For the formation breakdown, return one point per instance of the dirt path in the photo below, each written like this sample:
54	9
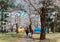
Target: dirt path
50	36
24	39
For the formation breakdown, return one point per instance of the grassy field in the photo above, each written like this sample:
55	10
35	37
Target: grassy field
13	37
9	37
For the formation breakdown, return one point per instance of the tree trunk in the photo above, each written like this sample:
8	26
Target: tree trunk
30	24
48	29
42	36
54	26
2	21
16	28
43	25
30	27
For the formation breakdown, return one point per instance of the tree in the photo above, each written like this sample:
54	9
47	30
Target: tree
42	36
51	11
58	19
16	28
46	4
35	8
4	5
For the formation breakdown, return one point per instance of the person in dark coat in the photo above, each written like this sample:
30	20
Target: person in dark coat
26	30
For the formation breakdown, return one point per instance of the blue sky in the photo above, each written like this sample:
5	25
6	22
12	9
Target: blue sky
22	13
17	2
19	13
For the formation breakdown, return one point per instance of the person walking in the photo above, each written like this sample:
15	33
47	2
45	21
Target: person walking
30	32
26	31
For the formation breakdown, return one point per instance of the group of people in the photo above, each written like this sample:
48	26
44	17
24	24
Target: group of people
29	32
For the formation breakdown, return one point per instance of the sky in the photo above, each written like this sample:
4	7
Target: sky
22	13
19	13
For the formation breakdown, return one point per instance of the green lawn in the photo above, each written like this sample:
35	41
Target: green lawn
9	37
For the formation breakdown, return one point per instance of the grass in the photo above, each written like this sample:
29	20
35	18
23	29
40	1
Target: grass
12	37
50	37
9	37
57	39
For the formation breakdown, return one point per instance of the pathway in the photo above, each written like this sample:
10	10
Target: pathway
37	36
25	39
